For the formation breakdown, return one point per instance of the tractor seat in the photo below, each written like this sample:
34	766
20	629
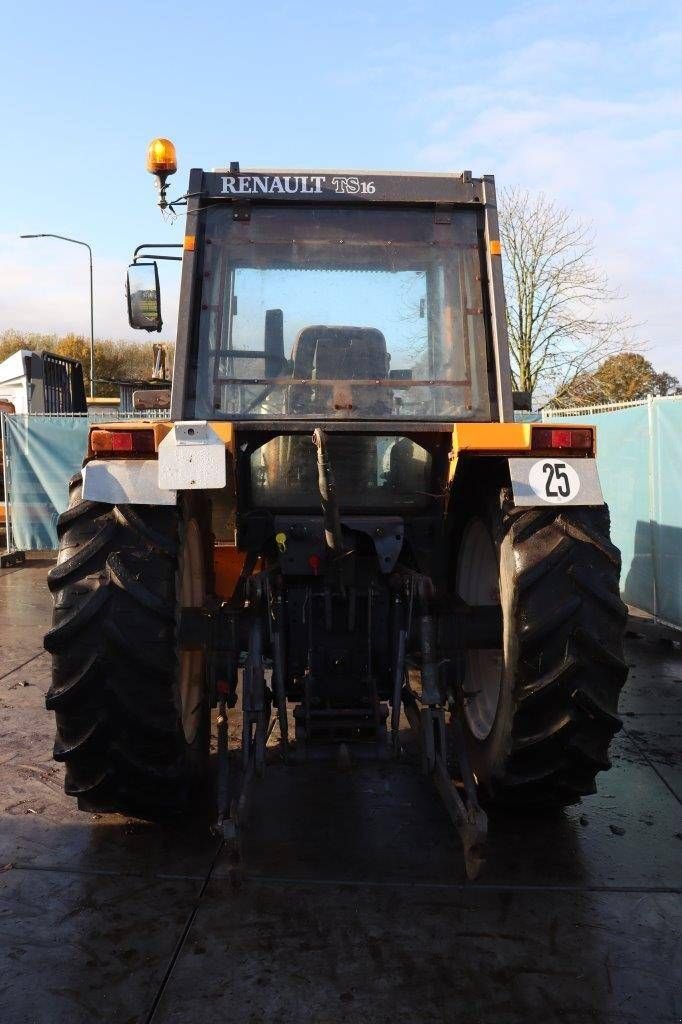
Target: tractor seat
340	353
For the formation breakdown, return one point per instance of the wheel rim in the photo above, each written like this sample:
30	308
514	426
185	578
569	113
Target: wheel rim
478	583
192	593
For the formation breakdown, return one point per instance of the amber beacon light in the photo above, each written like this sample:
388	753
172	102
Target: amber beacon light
161	161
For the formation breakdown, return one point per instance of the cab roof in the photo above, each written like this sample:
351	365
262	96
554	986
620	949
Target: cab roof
237	183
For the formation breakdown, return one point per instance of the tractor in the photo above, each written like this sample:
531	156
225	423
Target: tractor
338	529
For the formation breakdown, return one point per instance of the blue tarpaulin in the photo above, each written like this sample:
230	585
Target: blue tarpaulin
41	454
623	463
639	455
666	501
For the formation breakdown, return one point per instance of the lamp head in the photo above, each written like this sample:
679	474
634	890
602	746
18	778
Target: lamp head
161	162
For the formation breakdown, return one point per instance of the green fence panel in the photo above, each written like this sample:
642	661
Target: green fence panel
666	510
623	462
639	453
42	453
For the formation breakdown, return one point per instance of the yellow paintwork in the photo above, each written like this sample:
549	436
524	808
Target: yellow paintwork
490	437
499	438
225	431
131	425
486	439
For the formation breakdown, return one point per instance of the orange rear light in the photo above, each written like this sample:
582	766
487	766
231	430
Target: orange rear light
546	438
133	441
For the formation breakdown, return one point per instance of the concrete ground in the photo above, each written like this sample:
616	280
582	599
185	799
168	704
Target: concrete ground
354	906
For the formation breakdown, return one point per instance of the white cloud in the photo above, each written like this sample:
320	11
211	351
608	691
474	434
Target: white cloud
548	58
613	158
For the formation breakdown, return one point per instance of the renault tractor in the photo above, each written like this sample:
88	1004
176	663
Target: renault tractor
337	536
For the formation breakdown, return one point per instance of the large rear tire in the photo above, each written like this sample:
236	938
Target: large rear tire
131	710
540	712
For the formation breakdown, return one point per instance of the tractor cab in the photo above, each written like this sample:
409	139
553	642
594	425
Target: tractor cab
274	289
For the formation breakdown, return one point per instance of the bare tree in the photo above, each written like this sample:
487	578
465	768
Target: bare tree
557	300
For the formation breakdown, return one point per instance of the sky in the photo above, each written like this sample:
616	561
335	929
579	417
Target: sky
580	100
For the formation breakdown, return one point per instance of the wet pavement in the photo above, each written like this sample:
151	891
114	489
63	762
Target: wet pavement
354	905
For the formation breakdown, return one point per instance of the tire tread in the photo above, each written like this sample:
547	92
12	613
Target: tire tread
114	661
570	622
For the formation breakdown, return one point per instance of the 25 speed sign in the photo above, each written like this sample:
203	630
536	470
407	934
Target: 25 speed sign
555	481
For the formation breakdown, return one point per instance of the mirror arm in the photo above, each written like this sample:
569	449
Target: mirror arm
157	245
157	256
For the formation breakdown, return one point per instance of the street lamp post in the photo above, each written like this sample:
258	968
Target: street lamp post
76	241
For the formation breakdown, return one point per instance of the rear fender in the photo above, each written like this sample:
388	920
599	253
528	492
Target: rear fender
502	454
125	482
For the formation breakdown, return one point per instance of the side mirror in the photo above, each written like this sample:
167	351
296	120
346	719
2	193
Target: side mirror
144	297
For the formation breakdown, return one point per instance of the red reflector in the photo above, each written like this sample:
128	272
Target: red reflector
134	441
582	439
143	440
562	437
121	441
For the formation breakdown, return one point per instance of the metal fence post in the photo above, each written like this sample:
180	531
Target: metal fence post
10	557
4	481
651	475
